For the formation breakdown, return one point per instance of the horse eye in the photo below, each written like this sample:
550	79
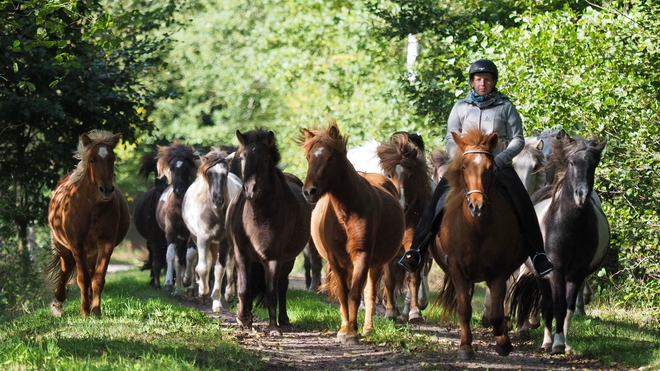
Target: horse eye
330	158
91	160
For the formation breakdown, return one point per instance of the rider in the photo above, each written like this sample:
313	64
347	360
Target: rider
487	109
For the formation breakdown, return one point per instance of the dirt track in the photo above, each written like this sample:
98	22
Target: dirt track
301	350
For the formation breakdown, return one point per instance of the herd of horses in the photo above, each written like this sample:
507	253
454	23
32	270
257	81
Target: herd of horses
235	210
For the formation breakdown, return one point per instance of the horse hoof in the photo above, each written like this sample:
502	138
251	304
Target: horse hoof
275	332
186	281
558	349
190	293
485	323
466	355
167	288
351	340
546	347
504	349
341	338
217	306
56	308
415	318
203	299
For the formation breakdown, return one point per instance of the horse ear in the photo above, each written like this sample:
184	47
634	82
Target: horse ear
115	139
85	139
600	146
333	131
561	134
270	140
241	138
492	141
458	140
536	133
540	145
307	134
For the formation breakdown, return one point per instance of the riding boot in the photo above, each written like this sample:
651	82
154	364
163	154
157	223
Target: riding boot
511	185
427	228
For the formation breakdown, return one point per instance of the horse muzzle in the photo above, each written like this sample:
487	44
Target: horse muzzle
311	194
106	192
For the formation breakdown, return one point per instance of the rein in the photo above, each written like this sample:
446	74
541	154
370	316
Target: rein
468	193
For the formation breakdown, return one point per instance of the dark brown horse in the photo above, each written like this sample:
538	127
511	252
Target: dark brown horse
268	226
479	239
88	216
357	226
178	163
404	163
144	218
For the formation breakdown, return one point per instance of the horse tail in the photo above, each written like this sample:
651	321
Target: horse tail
258	284
447	298
524	298
54	268
332	284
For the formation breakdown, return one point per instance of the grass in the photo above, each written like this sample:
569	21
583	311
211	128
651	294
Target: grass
146	329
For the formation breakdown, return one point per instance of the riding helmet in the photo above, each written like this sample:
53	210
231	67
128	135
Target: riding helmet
483	65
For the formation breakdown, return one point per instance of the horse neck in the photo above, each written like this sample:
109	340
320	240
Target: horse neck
351	184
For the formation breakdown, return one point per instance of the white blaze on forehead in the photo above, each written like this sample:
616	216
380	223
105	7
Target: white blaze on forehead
398	169
477	160
179	163
319	151
219	168
103	151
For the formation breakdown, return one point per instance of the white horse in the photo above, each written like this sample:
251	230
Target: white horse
204	208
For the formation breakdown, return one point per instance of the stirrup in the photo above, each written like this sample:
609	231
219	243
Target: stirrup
410	260
546	266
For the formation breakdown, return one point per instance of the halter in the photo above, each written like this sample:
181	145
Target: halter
468	193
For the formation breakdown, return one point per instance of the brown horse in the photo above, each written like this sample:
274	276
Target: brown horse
268	226
357	226
404	163
88	217
479	239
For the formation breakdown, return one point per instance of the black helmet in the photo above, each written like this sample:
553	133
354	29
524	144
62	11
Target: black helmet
483	65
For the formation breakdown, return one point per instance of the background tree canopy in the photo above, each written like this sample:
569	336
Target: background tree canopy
201	71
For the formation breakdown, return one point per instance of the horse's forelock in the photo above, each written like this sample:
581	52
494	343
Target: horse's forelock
85	148
209	160
261	135
473	139
338	143
177	150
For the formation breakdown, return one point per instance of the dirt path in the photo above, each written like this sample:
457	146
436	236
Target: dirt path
302	350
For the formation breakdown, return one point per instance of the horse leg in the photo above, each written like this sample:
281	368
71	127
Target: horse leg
98	278
338	285
464	312
370	293
219	275
244	310
273	271
203	267
496	317
572	290
547	312
485	322
67	265
559	309
415	290
171	261
83	278
308	267
230	274
189	276
282	289
317	266
358	282
389	281
583	298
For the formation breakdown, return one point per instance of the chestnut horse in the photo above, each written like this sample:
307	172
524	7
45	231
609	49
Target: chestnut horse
404	163
88	216
479	239
357	226
268	226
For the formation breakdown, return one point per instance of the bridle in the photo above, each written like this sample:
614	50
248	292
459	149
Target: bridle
468	193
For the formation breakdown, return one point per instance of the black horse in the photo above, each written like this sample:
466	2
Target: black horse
576	235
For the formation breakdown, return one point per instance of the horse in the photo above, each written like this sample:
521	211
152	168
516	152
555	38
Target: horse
576	235
88	217
479	239
404	163
203	210
313	264
178	163
548	137
144	219
438	161
402	149
357	226
268	226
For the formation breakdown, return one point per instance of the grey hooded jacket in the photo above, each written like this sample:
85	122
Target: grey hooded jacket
494	115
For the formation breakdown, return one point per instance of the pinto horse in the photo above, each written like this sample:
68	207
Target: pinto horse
479	239
576	236
268	226
204	207
178	163
144	218
357	226
88	216
404	163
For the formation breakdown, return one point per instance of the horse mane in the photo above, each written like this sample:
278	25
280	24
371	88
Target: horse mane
474	138
168	153
439	157
211	159
337	143
148	164
82	153
397	151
